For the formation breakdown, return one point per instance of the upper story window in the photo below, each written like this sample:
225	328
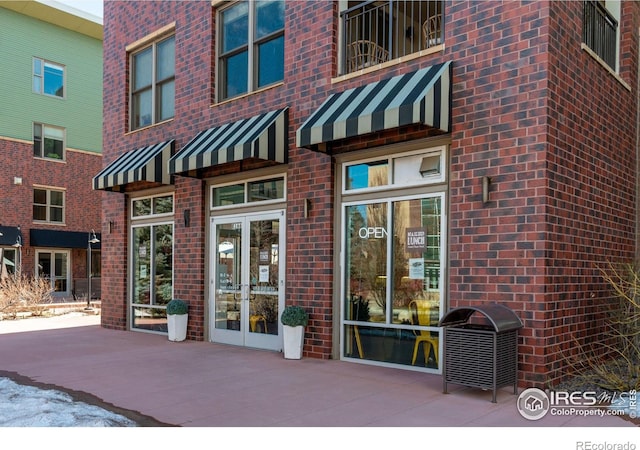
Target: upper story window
48	78
48	205
251	46
374	32
48	141
600	30
153	83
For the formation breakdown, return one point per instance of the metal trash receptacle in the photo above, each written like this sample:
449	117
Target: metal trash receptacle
481	347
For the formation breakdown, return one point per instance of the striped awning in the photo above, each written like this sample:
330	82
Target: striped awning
262	137
143	164
421	97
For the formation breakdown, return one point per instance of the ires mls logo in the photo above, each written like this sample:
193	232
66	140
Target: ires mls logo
533	404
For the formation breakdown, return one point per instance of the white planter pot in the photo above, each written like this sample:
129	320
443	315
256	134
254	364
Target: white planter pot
177	325
293	338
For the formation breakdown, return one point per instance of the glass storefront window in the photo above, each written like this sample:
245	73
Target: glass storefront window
367	260
392	281
152	264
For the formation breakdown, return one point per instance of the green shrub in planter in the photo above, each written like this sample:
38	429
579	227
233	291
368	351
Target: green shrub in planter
294	316
177	307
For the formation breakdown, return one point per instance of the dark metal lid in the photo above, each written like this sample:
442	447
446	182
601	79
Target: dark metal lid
501	317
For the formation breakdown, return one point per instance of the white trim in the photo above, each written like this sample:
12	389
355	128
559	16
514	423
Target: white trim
384	198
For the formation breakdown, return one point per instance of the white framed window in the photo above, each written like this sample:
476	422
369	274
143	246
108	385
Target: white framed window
48	78
408	169
48	141
54	265
251	46
153	83
393	224
259	190
151	261
48	205
152	206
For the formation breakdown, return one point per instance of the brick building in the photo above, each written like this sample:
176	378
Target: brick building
378	163
51	144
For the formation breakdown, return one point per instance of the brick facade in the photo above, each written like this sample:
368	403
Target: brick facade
82	211
552	128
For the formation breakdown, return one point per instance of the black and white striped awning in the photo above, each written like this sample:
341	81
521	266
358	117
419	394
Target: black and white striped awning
421	97
143	164
261	137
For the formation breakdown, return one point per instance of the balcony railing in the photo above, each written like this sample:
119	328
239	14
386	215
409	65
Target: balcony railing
599	31
378	31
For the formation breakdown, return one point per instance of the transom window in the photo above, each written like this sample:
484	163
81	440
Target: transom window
48	141
380	173
254	191
374	32
152	206
153	83
48	205
251	46
48	78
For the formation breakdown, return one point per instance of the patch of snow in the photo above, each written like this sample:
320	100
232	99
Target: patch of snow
28	406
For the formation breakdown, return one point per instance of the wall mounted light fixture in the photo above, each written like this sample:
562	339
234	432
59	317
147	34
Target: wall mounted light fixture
307	207
187	218
486	182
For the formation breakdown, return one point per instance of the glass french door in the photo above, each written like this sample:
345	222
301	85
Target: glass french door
54	265
247	279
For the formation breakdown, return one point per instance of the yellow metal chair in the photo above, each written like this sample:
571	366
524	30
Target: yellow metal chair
421	313
254	320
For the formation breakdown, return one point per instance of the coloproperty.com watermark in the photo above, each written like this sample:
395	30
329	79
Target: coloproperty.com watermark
534	404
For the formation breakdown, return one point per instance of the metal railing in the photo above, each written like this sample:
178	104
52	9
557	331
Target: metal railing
599	31
378	31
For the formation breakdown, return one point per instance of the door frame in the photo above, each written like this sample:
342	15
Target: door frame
244	337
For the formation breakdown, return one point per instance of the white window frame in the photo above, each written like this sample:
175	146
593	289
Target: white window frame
38	78
246	201
153	214
53	252
43	135
440	177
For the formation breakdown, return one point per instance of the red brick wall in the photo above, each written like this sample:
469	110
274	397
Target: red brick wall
525	113
561	159
82	206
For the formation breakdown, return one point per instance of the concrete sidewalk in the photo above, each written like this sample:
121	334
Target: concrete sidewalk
201	384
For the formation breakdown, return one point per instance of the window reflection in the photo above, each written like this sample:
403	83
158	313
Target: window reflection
392	300
366	175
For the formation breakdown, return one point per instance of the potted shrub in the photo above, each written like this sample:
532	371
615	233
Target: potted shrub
177	318
294	319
